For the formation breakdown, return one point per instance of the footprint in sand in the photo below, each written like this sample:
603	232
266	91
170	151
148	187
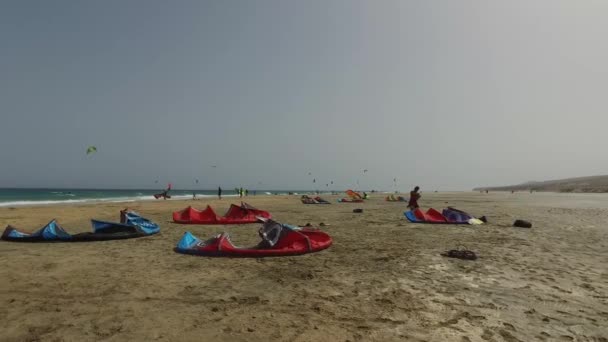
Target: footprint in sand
509	326
507	336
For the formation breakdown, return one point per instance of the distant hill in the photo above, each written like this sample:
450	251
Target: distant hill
579	184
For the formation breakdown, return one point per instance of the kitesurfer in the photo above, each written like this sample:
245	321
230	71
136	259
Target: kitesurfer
414	197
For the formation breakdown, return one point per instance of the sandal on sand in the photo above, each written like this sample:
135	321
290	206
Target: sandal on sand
459	253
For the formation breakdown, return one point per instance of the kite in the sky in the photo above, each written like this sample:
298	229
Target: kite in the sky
364	171
91	149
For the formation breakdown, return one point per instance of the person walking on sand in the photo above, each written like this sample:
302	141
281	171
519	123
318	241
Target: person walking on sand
246	192
219	192
241	192
414	197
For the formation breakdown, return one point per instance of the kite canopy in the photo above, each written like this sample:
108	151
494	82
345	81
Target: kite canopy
131	226
393	198
235	215
276	240
91	149
316	200
353	194
448	216
353	197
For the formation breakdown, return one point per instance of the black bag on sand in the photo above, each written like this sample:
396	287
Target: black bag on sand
522	224
459	253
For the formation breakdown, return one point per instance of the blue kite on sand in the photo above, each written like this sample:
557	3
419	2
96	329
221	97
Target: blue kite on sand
131	225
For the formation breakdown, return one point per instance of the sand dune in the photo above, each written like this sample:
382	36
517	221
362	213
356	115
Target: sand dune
597	184
382	280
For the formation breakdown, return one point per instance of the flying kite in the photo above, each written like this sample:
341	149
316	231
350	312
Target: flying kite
364	171
197	181
91	149
314	180
214	166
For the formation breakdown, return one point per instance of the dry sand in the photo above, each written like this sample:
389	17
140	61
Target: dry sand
382	280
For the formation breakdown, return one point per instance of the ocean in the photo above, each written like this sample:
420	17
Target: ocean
19	197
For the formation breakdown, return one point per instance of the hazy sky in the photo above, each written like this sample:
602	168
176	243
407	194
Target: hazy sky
444	94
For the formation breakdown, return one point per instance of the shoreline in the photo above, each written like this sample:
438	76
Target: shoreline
203	197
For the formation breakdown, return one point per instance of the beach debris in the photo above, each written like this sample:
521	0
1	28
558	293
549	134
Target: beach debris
483	219
522	224
460	253
91	149
357	210
309	225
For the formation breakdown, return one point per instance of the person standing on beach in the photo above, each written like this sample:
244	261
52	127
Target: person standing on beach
241	192
219	192
246	192
414	197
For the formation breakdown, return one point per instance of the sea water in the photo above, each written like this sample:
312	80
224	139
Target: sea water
19	197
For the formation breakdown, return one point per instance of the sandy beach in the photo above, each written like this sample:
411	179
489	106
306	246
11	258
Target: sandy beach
382	280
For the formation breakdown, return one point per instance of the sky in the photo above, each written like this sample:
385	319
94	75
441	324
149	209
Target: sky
447	95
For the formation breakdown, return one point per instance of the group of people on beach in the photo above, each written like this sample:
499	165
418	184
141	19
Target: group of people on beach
240	191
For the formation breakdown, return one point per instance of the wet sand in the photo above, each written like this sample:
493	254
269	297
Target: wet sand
382	280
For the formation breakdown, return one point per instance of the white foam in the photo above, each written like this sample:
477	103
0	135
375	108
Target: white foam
84	200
